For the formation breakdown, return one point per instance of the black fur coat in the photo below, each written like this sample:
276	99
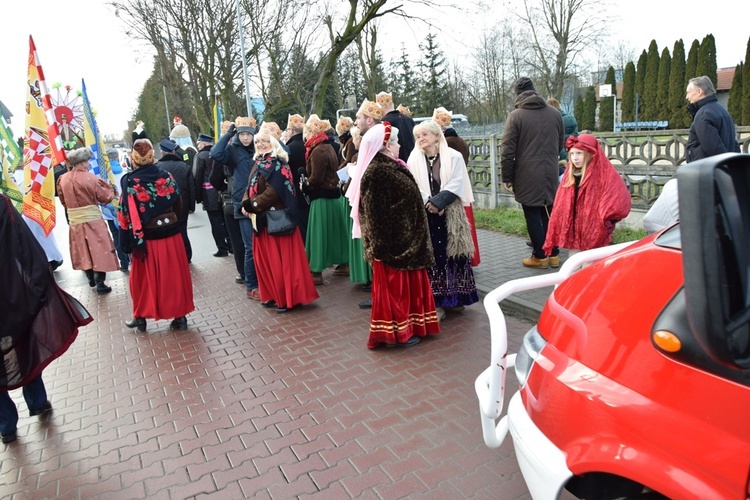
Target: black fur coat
393	218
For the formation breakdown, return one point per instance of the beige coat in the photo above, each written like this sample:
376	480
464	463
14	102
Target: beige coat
91	244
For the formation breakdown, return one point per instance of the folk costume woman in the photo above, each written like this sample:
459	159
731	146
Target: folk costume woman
442	117
284	278
590	200
396	241
160	282
91	246
326	228
441	175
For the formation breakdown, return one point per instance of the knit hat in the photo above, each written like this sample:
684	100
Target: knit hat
384	99
272	128
167	146
205	138
295	122
523	84
404	110
442	117
142	153
371	109
78	156
315	125
245	124
344	124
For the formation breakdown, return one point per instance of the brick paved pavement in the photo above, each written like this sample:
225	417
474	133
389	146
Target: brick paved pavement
248	402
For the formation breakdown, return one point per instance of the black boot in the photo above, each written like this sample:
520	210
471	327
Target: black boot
178	324
101	288
90	276
139	323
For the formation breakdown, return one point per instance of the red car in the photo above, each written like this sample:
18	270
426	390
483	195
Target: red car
635	383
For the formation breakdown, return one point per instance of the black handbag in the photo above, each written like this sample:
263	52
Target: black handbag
280	222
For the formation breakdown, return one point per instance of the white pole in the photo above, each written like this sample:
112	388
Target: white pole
244	60
614	118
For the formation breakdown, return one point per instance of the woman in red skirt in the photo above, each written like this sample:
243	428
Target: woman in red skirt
396	241
160	282
284	278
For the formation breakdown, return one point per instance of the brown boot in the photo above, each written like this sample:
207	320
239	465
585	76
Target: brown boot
317	278
536	262
554	261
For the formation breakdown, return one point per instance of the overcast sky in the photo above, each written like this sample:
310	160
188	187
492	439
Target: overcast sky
72	47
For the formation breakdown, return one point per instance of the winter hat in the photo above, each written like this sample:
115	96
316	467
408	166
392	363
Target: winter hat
344	124
442	117
296	122
523	84
245	124
78	156
371	109
167	146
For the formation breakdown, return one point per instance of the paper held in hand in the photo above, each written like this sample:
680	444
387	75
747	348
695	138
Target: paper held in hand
342	172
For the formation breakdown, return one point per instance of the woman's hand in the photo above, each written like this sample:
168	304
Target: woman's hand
433	209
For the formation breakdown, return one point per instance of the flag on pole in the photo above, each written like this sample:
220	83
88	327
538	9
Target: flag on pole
218	118
42	147
10	154
99	164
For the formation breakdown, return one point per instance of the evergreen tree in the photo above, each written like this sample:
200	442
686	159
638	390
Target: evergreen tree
692	62
640	79
579	109
606	104
662	90
627	104
734	105
678	116
650	84
707	59
588	120
404	82
433	90
746	87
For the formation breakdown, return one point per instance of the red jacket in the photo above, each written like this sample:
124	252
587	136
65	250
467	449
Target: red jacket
602	200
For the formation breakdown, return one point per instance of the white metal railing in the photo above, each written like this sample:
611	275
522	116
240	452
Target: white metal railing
490	384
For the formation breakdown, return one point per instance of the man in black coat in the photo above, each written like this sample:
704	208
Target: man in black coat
712	131
402	122
210	197
183	176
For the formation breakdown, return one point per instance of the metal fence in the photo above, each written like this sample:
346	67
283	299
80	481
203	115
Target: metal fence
645	159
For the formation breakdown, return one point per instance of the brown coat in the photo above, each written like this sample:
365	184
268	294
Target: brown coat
321	168
91	244
532	140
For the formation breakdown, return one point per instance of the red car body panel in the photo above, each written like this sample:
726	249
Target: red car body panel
612	402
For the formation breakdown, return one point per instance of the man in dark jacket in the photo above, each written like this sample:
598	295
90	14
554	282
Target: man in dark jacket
297	163
183	176
237	156
404	124
531	144
712	131
208	196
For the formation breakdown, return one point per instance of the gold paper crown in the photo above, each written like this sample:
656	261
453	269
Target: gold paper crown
371	109
272	128
384	99
225	126
404	110
442	117
295	121
244	121
345	123
315	125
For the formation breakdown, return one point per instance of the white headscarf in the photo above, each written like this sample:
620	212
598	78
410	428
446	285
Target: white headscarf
372	142
453	174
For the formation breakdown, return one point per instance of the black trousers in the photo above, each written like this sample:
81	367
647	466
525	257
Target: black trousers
537	220
219	230
235	238
188	248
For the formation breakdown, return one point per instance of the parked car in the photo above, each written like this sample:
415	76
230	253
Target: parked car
635	382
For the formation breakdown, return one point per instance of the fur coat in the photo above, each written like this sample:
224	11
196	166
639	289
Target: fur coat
393	219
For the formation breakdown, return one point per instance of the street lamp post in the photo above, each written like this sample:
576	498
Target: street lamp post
244	59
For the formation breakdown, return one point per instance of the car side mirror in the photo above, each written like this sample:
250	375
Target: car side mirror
714	200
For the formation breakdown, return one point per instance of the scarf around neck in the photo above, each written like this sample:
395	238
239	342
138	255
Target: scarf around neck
313	141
